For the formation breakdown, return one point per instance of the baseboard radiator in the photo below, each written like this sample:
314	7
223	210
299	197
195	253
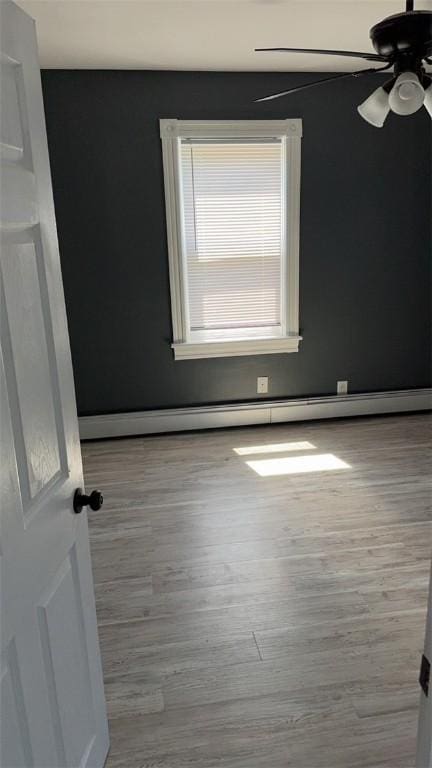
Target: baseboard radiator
245	414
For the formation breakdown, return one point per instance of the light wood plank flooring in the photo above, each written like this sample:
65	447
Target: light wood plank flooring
252	621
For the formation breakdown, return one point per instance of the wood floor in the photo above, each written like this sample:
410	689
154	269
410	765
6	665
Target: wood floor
252	621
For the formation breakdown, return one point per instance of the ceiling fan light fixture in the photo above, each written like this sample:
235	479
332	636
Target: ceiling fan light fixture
402	41
407	95
375	108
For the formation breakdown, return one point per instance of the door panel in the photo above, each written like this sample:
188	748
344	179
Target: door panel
17	750
31	377
51	677
11	134
67	674
18	207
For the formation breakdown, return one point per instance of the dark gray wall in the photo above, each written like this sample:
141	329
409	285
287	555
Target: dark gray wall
365	304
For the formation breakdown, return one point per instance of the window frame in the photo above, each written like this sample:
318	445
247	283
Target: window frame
171	132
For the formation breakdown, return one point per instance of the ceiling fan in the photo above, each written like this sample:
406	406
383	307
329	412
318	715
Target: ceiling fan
402	41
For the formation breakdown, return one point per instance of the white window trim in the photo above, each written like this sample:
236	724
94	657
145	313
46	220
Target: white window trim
171	131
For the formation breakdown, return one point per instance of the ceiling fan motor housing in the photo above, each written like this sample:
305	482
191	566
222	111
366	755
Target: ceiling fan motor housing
406	37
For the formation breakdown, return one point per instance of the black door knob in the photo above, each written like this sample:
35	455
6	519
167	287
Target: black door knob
80	500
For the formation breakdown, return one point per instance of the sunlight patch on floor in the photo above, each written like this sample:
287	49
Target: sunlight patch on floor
289	465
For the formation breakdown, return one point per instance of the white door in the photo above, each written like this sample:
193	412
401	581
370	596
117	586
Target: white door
424	737
52	698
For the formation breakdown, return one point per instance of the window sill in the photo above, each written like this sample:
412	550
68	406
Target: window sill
195	351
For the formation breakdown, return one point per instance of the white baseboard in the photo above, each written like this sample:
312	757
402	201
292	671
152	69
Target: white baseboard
269	412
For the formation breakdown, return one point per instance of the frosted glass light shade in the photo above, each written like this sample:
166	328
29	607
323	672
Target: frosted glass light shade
428	99
407	94
375	108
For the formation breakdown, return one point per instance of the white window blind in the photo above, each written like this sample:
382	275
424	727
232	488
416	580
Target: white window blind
233	236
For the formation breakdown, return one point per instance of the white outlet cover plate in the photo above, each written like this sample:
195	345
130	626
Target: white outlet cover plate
342	388
262	384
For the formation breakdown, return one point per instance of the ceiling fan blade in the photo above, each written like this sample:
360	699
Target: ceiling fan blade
353	54
320	82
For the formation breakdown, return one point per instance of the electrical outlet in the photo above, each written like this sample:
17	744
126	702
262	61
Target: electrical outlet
262	385
342	388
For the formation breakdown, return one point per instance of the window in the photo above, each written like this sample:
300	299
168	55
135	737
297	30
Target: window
232	199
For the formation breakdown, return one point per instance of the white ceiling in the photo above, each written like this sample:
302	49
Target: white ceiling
204	34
